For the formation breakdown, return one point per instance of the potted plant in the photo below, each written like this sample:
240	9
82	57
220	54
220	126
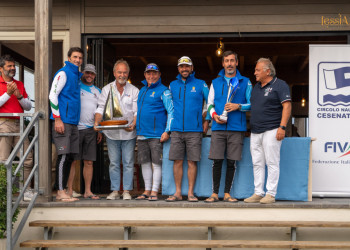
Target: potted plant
3	205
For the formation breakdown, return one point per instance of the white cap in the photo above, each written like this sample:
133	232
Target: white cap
184	60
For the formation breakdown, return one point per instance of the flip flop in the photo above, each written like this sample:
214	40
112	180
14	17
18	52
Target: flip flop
66	199
142	197
230	199
192	199
173	198
212	199
93	197
152	198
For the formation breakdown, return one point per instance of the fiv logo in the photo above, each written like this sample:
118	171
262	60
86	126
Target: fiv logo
193	89
333	84
152	95
343	148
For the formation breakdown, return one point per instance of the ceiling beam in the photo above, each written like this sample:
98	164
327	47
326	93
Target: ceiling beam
274	60
144	60
210	64
303	64
241	64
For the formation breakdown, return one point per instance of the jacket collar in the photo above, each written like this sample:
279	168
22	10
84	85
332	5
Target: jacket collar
153	85
190	78
238	74
74	68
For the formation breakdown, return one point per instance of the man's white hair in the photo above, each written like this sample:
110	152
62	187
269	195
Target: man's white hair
268	65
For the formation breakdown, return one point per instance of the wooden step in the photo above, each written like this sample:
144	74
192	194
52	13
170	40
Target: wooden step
185	223
186	243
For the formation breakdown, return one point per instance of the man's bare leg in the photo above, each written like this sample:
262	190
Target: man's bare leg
71	179
88	173
192	175
178	172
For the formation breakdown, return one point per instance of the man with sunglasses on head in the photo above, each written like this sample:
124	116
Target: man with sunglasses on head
228	101
154	115
187	127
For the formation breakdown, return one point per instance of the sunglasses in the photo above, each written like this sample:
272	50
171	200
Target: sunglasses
185	60
152	67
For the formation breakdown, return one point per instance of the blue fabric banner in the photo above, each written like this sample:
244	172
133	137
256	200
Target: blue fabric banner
294	169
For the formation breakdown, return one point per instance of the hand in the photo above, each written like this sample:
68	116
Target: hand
229	107
59	126
165	136
11	88
217	119
280	134
96	129
205	126
131	127
17	93
99	137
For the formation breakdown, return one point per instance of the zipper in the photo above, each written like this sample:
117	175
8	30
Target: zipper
154	124
223	86
67	111
180	94
183	114
142	98
197	119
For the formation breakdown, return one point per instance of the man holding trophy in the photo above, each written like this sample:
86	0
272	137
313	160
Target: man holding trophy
121	97
228	100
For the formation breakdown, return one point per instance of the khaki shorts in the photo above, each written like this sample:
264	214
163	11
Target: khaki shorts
185	143
67	143
87	145
150	150
230	142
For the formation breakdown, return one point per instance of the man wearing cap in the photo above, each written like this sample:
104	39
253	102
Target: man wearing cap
65	106
13	99
154	117
228	102
120	142
187	127
89	95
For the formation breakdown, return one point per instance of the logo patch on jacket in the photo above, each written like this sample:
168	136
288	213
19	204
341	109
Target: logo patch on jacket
193	89
152	95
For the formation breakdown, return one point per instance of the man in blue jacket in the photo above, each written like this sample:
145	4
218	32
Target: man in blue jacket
65	106
229	99
186	130
154	115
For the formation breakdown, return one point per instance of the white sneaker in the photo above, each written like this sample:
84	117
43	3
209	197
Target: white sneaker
113	196
126	196
28	195
75	194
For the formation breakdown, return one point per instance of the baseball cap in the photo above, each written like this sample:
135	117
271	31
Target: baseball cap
152	67
184	60
90	68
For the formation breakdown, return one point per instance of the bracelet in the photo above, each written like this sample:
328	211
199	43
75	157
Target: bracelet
20	98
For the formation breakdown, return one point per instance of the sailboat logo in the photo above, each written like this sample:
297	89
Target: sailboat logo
334	83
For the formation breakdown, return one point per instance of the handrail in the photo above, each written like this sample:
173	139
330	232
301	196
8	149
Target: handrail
11	209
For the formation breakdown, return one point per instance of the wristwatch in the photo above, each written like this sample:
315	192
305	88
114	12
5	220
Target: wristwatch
239	106
283	127
20	98
169	132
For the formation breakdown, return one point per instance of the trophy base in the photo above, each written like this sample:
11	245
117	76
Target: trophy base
223	118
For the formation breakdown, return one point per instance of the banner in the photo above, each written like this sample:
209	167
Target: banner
329	119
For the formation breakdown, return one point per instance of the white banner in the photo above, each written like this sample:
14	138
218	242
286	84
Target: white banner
329	119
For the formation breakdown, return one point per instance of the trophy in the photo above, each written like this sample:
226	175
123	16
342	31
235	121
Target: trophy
112	110
232	88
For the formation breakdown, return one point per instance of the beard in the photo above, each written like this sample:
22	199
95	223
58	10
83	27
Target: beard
230	71
10	73
122	80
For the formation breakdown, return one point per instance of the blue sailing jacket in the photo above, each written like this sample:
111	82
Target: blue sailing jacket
69	97
151	113
236	120
188	103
